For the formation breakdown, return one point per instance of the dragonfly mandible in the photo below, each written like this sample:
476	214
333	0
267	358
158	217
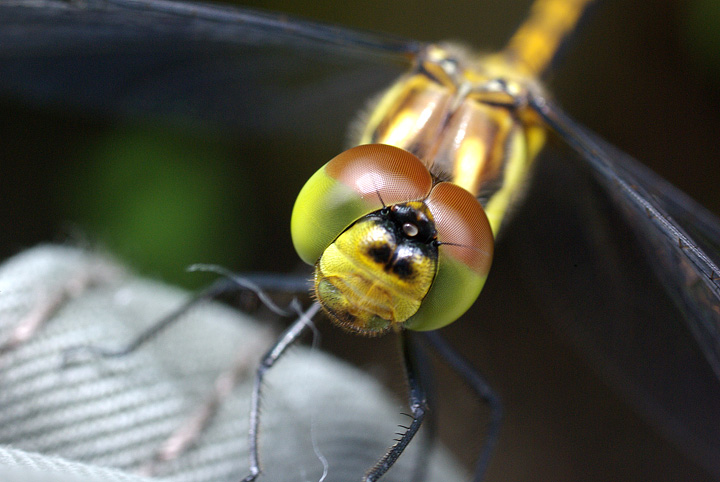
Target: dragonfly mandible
526	268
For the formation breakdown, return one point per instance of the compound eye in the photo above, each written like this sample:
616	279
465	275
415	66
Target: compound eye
379	171
463	228
464	256
355	183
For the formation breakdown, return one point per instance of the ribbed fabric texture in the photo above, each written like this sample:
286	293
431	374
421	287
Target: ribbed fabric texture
104	419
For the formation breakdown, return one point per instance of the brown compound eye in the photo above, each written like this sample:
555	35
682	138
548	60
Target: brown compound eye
353	184
462	226
379	171
371	177
465	254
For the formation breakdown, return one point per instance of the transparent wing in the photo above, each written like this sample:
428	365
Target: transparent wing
674	377
680	233
194	61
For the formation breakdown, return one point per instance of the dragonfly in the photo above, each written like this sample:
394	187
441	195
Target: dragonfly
600	342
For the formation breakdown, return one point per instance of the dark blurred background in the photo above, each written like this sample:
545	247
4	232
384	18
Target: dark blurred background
645	75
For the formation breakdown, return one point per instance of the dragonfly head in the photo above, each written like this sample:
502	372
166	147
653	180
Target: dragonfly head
391	247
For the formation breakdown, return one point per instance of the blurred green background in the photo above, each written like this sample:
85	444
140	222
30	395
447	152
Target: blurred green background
643	74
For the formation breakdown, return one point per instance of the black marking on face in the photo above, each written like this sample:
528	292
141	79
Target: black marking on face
380	253
403	268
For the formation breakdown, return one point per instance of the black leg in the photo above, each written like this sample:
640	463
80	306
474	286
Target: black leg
187	433
418	409
257	283
289	337
429	435
478	385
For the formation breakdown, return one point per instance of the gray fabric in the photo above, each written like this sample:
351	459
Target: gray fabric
104	419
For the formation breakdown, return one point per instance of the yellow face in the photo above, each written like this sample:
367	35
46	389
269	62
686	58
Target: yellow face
376	274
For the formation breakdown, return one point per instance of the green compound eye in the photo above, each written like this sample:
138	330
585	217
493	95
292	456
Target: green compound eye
390	249
465	255
355	183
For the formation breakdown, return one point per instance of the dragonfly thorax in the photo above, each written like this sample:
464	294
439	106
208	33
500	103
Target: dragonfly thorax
464	122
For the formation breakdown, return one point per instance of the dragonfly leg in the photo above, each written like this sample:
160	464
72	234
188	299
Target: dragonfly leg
192	428
257	283
418	408
478	385
72	355
289	283
289	337
429	435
